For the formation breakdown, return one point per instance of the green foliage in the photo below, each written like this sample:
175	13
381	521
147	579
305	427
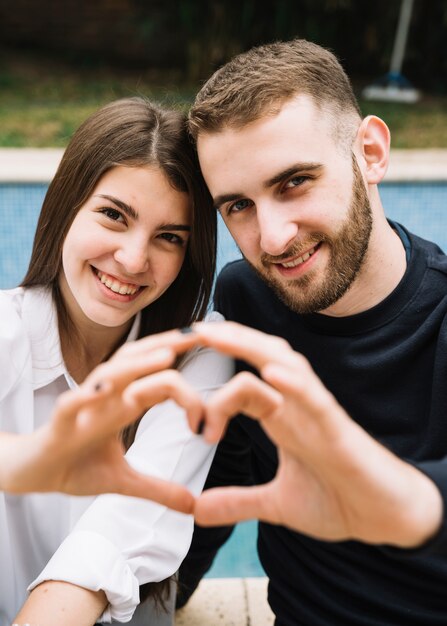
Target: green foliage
42	103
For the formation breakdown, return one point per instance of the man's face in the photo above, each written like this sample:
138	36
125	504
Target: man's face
294	202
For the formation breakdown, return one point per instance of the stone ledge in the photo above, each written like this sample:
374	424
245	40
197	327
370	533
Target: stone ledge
417	166
227	602
29	165
38	165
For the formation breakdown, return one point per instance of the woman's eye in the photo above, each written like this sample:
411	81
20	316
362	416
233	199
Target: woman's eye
173	238
239	206
112	214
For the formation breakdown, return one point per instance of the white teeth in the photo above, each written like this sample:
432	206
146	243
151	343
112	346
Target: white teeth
115	286
300	259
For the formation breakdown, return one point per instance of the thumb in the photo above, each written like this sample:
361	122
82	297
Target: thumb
169	494
228	505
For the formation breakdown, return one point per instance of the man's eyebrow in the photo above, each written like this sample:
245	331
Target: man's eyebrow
126	208
226	197
297	168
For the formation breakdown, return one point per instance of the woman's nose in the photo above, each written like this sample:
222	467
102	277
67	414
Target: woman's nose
134	257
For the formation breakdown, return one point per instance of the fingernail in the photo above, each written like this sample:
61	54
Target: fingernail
103	386
201	426
186	330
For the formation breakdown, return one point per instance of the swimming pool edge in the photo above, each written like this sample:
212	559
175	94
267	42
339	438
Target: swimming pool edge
38	165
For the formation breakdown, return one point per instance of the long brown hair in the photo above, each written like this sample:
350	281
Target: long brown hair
131	132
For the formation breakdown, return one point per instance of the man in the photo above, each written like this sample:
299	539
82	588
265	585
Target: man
293	170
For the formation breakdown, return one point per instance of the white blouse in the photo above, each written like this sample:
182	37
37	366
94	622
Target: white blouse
111	542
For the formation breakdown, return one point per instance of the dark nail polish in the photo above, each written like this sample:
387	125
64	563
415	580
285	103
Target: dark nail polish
186	330
201	426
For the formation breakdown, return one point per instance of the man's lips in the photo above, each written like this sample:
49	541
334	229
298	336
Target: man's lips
297	260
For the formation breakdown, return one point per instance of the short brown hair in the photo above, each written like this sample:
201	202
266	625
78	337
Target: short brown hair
259	81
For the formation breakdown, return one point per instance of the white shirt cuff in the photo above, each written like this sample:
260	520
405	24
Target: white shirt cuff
99	565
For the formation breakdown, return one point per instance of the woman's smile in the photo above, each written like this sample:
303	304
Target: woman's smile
115	288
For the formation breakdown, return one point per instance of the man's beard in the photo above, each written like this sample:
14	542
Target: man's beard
348	248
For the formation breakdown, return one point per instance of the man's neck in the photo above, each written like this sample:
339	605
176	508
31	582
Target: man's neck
383	268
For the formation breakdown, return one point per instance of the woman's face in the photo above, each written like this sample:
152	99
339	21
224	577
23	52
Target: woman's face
125	247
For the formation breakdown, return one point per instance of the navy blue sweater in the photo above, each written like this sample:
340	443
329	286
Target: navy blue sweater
388	368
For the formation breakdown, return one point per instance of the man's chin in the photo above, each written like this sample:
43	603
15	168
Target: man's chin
296	295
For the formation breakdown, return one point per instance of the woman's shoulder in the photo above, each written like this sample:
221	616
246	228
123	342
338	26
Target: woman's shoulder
11	308
14	343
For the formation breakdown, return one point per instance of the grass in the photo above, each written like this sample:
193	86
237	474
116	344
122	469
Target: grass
43	101
421	125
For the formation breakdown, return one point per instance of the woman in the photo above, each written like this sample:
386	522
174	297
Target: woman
124	248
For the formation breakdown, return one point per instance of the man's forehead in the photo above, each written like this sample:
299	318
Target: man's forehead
299	114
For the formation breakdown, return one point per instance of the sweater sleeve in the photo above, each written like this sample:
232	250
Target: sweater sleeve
437	472
436	545
121	542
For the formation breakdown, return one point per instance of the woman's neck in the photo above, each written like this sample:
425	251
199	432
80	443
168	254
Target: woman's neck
83	350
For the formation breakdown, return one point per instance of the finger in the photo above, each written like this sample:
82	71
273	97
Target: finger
228	505
70	403
246	343
150	390
177	340
306	389
120	373
244	393
171	495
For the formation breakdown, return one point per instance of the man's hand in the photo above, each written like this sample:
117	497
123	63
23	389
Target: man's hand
79	451
334	481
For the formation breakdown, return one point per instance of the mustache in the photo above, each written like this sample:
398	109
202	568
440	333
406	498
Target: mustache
296	249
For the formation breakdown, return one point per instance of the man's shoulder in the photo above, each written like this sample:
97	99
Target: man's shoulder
429	254
236	271
238	278
242	295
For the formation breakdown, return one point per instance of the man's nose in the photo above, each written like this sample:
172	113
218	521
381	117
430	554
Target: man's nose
276	230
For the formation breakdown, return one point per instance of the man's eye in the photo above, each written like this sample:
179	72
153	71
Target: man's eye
296	181
112	214
239	206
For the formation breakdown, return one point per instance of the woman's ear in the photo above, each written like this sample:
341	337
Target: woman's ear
373	144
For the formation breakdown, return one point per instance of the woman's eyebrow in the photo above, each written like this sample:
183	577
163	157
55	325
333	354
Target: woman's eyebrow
184	227
126	208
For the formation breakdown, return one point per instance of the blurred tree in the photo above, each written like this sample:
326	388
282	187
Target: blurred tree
196	36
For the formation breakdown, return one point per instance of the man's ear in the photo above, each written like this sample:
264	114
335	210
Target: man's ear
373	145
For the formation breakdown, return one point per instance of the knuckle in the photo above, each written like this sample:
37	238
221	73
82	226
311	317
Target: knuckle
123	350
300	361
280	344
245	379
172	378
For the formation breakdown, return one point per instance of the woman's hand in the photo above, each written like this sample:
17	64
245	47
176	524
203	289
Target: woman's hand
79	451
334	481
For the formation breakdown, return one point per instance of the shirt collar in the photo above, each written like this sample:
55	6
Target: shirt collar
40	320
